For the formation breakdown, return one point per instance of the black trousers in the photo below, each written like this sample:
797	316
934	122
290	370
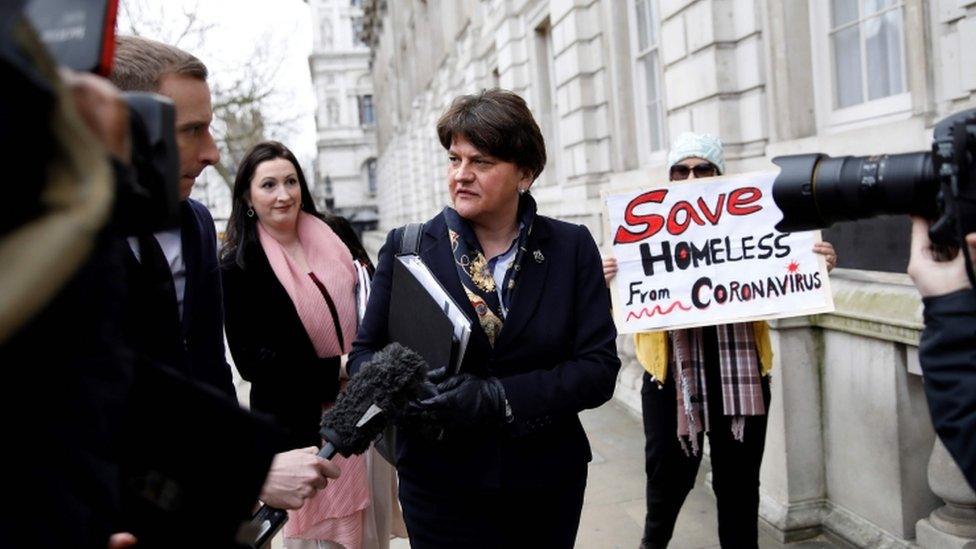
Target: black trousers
671	474
439	517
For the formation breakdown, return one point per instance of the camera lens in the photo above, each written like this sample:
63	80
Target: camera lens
815	191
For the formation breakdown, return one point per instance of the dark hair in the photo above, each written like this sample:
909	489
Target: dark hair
343	229
140	64
241	231
499	123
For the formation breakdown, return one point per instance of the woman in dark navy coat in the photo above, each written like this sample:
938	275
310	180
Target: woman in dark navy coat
509	467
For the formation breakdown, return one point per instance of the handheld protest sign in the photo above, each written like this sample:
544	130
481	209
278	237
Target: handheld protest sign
698	253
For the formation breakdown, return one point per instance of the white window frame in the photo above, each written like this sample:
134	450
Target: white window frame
868	113
542	62
372	183
361	107
647	155
356	24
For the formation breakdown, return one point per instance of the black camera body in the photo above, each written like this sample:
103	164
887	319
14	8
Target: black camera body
954	161
814	190
80	34
149	201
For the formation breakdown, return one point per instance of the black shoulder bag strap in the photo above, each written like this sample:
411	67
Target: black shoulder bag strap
410	235
410	239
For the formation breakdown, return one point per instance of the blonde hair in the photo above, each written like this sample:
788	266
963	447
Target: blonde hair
141	63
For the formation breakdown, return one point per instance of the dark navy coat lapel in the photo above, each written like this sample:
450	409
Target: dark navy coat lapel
529	286
528	290
439	258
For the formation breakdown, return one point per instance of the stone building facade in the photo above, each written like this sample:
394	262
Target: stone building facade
612	81
346	124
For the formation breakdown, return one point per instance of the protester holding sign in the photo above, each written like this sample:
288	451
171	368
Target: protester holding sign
707	379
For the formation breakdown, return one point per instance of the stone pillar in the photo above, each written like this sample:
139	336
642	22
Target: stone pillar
792	474
849	432
583	116
954	524
631	376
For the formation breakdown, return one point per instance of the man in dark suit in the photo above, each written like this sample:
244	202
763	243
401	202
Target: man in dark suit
176	315
175	312
947	350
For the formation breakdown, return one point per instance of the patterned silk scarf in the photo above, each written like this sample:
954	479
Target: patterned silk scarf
740	380
472	267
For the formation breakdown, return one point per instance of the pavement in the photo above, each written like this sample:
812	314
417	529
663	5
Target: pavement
613	507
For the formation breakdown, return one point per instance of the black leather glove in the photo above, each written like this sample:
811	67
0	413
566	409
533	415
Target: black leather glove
415	413
465	400
416	418
437	375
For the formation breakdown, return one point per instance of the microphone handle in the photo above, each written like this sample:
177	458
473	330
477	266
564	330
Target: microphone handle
328	450
269	520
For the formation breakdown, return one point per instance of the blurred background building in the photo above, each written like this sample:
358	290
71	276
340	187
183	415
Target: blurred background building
611	83
346	175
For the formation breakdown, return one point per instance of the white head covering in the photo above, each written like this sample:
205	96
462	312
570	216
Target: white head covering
697	145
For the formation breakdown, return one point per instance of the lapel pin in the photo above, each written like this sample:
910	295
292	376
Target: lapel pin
539	258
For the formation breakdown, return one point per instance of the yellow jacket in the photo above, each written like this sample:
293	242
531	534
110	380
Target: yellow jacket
652	351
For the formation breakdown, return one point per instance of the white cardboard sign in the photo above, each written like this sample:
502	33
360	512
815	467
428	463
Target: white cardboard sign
706	252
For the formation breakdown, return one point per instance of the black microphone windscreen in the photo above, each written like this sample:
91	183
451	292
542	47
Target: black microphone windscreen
390	379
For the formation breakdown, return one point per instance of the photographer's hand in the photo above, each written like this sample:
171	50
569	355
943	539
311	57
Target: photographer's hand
933	277
103	110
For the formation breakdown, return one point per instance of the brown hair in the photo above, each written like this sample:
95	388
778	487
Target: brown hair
141	63
499	123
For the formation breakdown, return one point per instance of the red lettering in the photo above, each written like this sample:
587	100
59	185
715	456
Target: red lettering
676	227
740	202
740	199
712	217
652	222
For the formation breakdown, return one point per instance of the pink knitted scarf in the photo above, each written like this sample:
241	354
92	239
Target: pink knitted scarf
332	264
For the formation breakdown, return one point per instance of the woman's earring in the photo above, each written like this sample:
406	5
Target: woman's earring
523	190
250	212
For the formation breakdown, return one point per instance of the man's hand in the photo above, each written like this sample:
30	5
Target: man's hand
122	540
933	277
103	110
295	476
